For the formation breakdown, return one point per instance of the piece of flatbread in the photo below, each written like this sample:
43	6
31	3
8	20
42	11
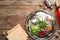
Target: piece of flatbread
17	33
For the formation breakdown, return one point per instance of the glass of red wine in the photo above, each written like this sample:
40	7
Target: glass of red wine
57	11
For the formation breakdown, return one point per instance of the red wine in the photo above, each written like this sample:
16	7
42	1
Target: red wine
58	15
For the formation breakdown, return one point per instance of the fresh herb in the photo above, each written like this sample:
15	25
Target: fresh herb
35	28
41	24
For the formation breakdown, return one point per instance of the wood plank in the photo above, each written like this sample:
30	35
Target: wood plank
21	2
6	24
16	11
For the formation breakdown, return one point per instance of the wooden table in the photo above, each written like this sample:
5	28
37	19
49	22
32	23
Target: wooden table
13	12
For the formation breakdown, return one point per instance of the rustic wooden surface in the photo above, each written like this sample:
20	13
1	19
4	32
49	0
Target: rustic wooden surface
13	12
20	2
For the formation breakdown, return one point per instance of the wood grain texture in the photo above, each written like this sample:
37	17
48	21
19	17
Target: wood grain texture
13	12
20	2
